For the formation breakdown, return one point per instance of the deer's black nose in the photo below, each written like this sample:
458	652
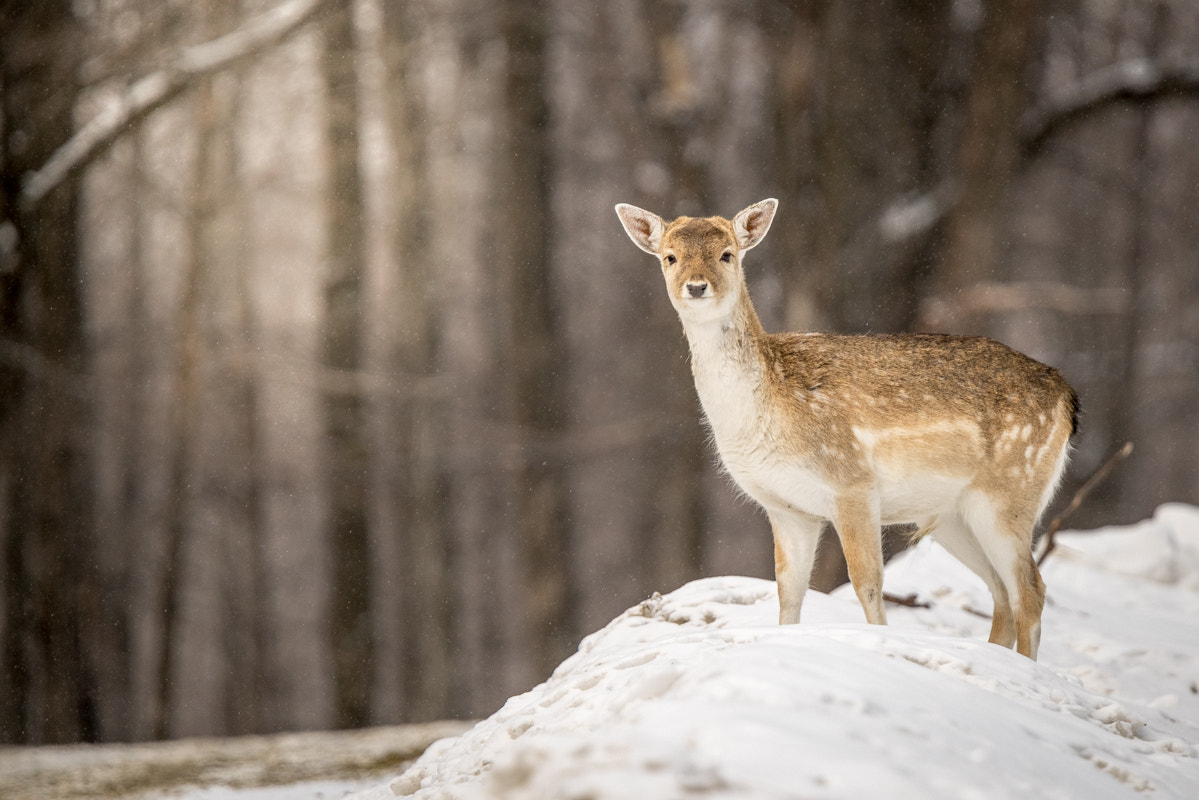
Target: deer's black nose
697	289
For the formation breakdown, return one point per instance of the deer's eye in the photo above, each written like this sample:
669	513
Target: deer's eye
670	259
727	257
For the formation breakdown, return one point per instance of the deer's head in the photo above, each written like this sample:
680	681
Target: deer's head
700	257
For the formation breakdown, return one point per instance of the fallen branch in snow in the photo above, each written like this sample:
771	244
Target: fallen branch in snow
1084	490
908	600
192	65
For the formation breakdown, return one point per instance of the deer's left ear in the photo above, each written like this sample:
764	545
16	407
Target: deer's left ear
752	223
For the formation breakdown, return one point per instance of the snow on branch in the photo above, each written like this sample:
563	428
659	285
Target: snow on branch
1136	79
192	65
915	215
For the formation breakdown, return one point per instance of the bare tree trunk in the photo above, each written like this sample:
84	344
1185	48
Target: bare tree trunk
1129	388
988	154
251	688
259	690
131	515
52	604
181	494
213	650
1159	376
423	573
348	452
536	352
461	71
601	59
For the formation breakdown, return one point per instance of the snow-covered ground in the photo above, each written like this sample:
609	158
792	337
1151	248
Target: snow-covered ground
701	693
309	765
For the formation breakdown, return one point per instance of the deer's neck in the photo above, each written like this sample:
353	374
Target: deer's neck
730	374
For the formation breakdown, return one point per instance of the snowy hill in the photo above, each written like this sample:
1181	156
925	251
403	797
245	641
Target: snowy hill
701	693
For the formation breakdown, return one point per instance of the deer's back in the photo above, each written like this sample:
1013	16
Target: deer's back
888	381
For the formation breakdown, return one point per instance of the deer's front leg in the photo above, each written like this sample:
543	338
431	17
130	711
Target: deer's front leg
861	535
795	539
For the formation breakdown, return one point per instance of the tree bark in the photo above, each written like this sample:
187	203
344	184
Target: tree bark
987	157
347	449
536	354
426	604
601	65
52	606
183	490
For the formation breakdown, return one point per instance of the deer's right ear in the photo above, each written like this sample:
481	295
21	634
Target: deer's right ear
644	228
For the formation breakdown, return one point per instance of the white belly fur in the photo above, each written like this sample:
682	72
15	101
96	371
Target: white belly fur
780	484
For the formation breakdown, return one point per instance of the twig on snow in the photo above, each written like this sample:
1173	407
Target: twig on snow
908	600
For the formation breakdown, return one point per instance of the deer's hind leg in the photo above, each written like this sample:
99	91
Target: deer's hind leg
1004	533
956	538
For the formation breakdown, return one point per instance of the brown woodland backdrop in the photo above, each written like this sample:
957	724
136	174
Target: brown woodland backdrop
332	393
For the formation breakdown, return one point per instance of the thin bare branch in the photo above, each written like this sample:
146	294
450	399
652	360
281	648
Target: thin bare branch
192	65
1096	478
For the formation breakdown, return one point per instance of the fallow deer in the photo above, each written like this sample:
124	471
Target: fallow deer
962	436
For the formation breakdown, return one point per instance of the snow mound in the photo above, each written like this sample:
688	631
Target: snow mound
700	692
1164	549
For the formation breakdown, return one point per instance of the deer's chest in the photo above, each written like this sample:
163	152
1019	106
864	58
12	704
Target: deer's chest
755	438
775	478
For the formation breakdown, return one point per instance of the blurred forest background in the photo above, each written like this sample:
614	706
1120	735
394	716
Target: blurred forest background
332	392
